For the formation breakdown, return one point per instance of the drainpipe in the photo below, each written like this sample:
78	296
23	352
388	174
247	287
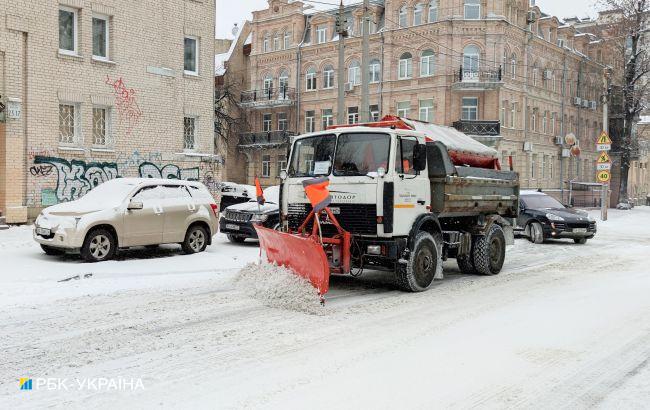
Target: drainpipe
562	130
298	80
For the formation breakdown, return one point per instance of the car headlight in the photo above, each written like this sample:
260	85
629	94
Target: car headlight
259	218
553	217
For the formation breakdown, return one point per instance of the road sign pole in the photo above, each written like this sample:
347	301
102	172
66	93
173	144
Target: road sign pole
603	170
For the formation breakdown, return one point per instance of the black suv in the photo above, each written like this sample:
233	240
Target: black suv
237	220
543	217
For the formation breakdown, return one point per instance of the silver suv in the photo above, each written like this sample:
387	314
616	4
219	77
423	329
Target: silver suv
128	212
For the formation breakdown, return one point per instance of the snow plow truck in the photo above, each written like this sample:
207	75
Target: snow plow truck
401	196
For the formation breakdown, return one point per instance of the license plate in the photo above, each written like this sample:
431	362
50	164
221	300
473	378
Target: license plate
580	230
232	226
43	231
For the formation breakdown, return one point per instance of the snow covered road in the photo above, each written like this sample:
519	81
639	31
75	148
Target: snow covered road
563	326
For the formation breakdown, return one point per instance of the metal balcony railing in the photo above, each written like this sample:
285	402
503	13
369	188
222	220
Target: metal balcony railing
478	127
268	97
475	78
265	138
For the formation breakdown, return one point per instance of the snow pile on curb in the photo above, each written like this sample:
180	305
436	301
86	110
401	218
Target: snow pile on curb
277	286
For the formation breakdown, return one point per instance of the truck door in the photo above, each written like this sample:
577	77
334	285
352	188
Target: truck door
411	197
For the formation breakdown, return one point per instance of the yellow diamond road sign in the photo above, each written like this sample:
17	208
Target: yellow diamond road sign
604	139
603	158
603	176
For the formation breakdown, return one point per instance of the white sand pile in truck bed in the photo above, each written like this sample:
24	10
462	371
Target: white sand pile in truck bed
279	287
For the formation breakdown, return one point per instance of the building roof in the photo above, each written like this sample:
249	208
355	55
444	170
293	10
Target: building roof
220	59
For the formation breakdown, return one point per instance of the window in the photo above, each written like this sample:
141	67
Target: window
433	11
472	9
287	40
545	123
310	121
403	17
417	14
542	171
67	30
284	85
327	116
266	45
266	122
535	75
513	66
266	166
353	115
321	34
276	41
100	37
311	79
513	114
426	110
533	120
427	64
502	113
533	166
101	126
551	167
405	69
282	164
403	109
354	73
553	123
328	77
359	154
471	56
375	71
191	63
404	156
374	113
189	134
282	121
69	124
268	86
469	109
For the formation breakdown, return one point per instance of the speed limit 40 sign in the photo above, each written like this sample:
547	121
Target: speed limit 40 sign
603	176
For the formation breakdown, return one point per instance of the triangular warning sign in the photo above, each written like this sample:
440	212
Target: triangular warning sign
603	158
604	138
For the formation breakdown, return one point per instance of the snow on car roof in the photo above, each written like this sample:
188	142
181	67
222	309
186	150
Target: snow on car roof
531	192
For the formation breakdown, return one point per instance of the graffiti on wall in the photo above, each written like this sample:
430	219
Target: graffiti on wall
75	178
126	102
136	158
171	171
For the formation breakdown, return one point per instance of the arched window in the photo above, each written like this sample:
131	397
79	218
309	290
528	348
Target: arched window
417	14
403	17
283	81
354	73
328	77
266	43
310	78
472	9
287	40
405	68
535	74
427	64
276	41
268	85
375	71
513	66
471	55
433	11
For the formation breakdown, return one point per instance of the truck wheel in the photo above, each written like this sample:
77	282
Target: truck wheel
52	251
98	246
535	233
418	273
235	238
580	241
489	251
466	264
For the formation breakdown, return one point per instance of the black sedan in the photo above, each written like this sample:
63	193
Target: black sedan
543	217
237	220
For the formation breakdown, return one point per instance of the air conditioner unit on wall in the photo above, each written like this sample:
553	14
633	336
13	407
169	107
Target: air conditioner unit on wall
585	104
349	87
593	105
566	153
559	140
577	101
528	146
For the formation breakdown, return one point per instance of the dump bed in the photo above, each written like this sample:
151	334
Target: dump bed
468	191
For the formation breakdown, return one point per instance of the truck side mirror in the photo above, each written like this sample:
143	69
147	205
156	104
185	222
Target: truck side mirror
419	157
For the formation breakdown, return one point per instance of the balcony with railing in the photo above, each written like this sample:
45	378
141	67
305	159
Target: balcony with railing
265	139
485	132
268	97
477	79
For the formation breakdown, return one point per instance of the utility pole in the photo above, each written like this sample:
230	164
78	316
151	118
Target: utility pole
365	63
342	32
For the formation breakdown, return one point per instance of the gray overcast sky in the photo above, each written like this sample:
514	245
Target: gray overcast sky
230	12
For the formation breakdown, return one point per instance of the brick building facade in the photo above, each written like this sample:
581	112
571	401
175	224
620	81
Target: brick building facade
501	71
101	89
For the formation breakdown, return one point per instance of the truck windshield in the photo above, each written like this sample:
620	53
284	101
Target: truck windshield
361	153
312	156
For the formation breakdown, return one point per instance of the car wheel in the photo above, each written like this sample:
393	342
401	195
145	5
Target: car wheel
196	239
235	238
489	251
99	245
535	233
52	251
425	260
580	241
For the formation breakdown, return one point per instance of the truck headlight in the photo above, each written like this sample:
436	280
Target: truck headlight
553	217
259	217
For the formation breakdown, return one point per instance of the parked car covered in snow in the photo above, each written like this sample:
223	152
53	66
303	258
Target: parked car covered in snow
237	220
232	193
543	217
127	212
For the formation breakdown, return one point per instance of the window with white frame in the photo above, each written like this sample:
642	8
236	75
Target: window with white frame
469	110
354	73
533	166
267	85
427	64
472	9
267	120
533	120
191	60
266	166
426	110
551	167
102	126
471	56
545	123
328	77
276	41
100	37
403	109
417	14
287	40
69	123
321	34
513	115
433	11
68	30
502	113
353	115
403	17
535	75
310	121
266	44
310	77
374	112
405	68
283	124
553	116
282	164
283	82
327	116
513	66
189	133
375	71
542	171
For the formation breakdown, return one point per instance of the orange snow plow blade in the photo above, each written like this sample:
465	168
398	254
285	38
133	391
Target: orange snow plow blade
302	254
